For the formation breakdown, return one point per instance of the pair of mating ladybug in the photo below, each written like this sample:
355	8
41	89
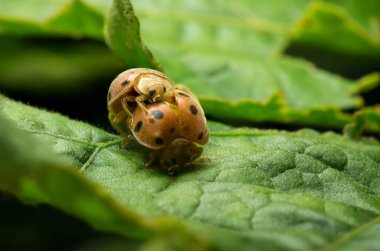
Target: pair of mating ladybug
160	115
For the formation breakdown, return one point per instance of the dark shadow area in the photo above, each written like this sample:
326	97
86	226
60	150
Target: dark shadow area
372	97
347	65
41	228
60	74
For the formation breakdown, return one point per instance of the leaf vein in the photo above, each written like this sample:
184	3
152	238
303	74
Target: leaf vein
89	160
63	137
198	204
89	143
96	151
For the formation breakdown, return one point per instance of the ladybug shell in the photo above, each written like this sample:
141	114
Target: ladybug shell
124	84
158	131
193	124
185	119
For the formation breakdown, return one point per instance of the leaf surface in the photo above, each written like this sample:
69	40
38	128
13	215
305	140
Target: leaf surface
215	65
281	190
122	33
348	27
76	18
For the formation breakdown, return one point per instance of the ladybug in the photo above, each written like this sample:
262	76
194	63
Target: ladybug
168	121
136	87
179	155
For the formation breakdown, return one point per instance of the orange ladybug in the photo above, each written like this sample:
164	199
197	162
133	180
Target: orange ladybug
168	121
136	87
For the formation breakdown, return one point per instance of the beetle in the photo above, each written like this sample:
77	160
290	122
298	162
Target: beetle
145	105
168	121
136	87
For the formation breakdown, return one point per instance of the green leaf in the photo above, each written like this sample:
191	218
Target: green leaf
367	83
355	129
341	36
76	18
246	28
244	81
122	33
342	26
213	65
276	110
30	170
260	190
363	238
372	115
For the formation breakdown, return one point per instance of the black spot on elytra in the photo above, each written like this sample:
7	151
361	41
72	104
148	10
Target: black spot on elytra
159	141
152	92
172	130
183	94
125	82
200	136
193	109
157	114
138	126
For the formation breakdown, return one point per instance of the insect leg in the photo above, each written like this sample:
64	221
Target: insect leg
124	104
119	117
172	170
142	106
153	157
127	139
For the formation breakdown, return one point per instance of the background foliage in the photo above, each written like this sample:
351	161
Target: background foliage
270	65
